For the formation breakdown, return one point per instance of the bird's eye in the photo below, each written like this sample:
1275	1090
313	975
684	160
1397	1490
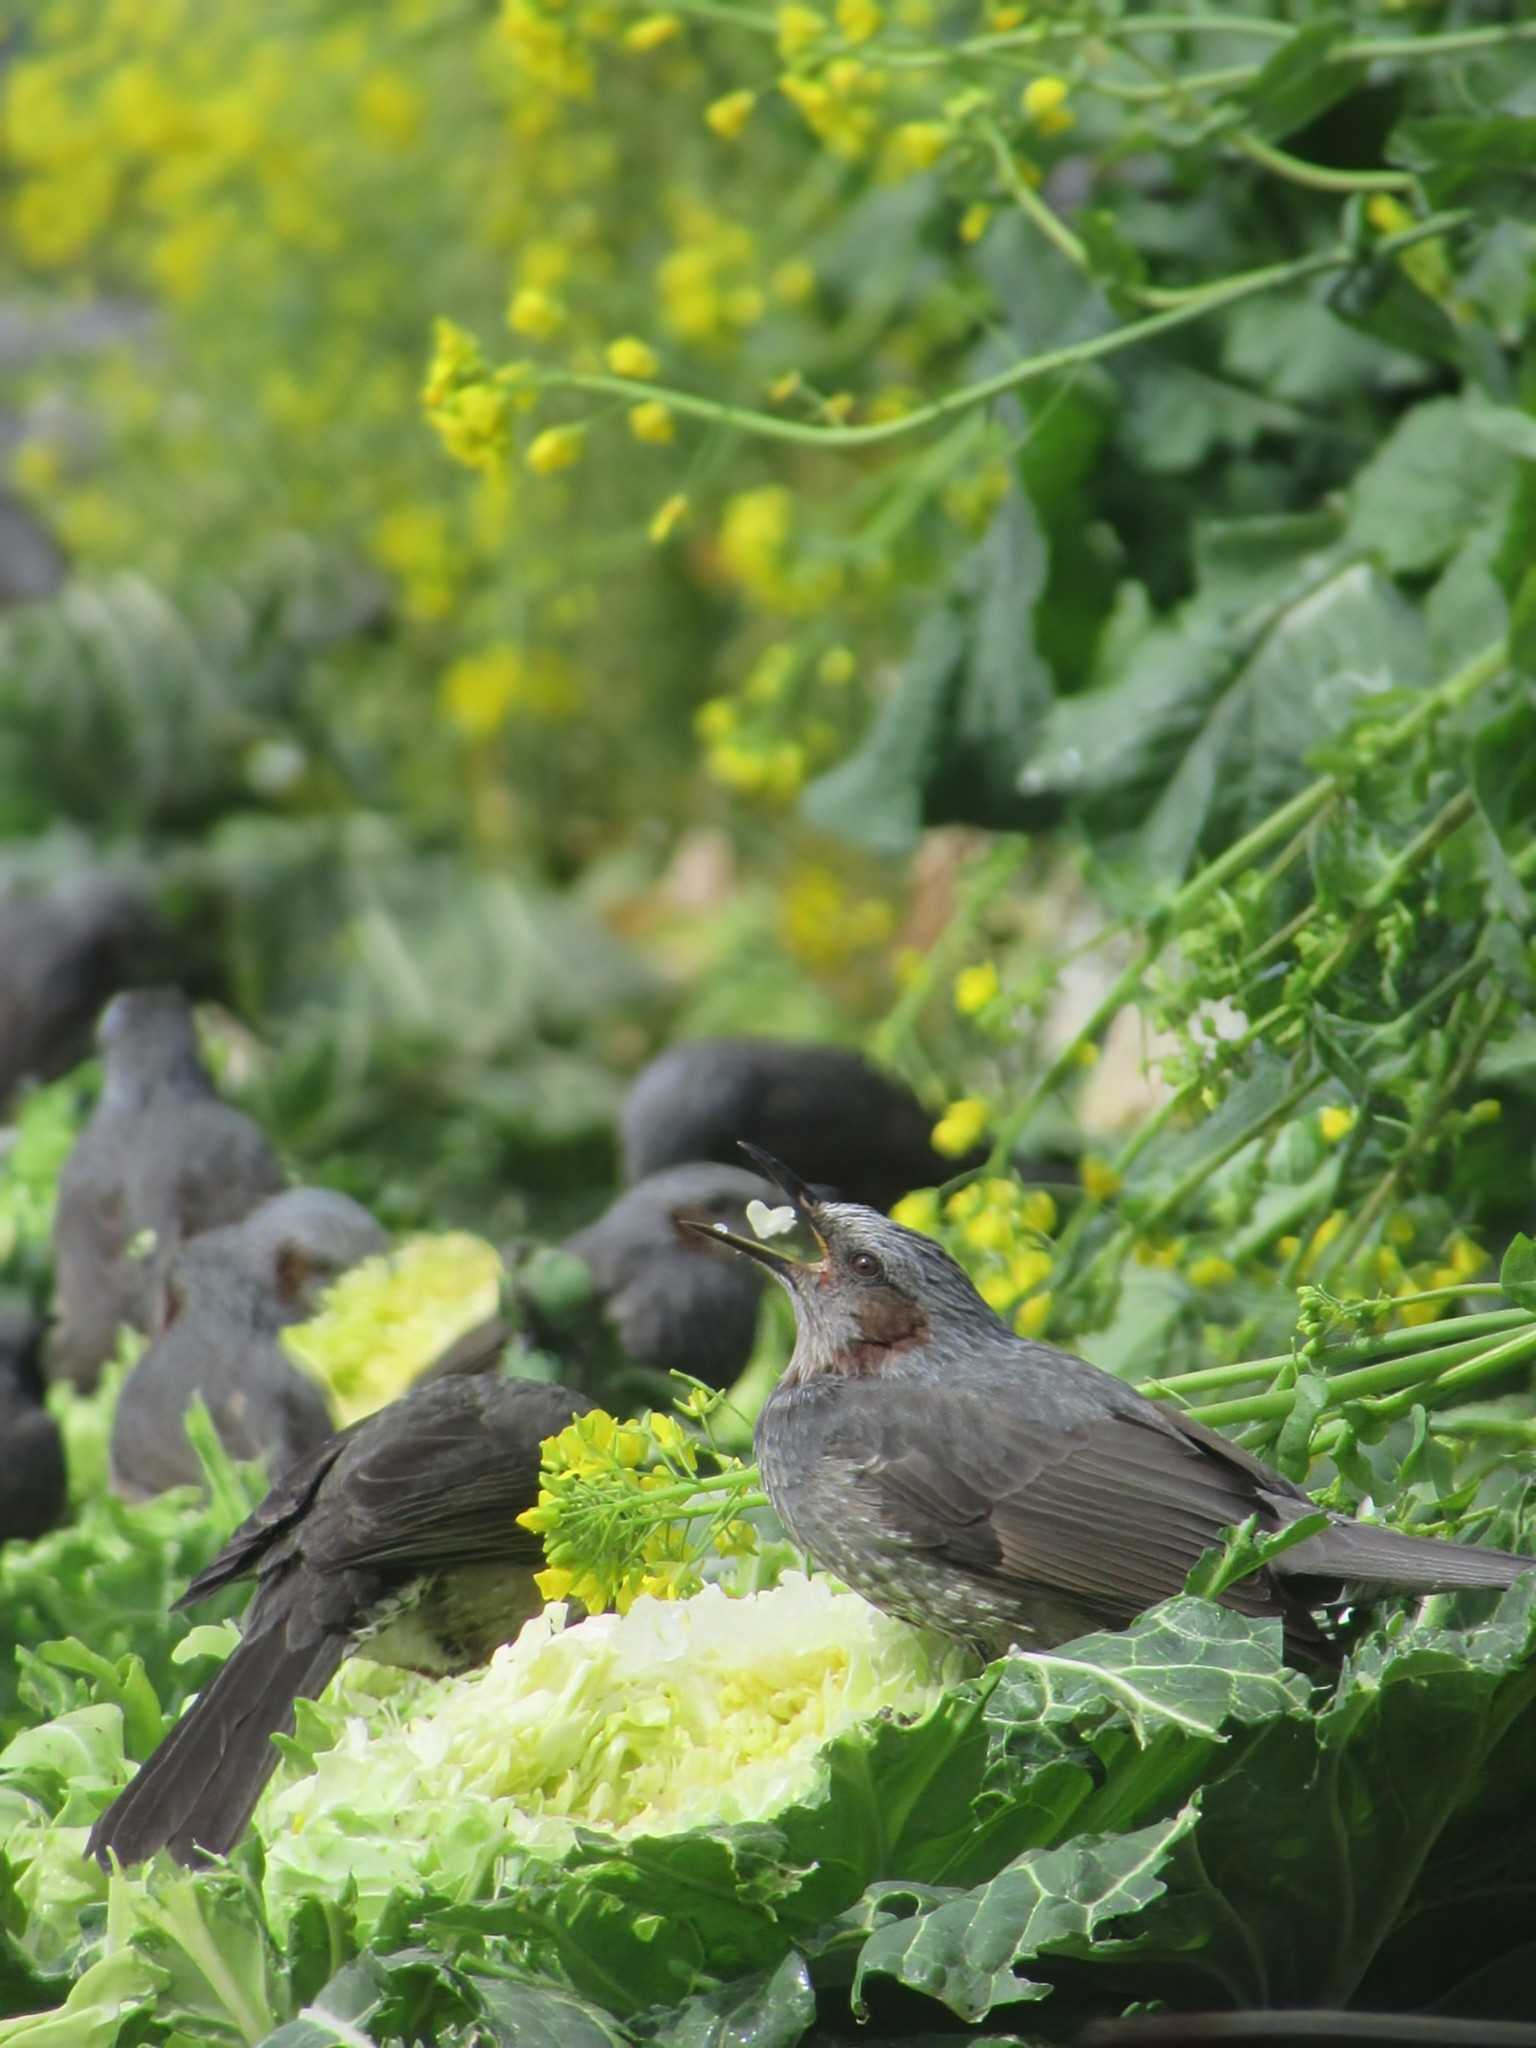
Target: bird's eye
866	1265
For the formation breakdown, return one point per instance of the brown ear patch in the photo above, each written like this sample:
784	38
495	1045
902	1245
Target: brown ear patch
889	1322
293	1273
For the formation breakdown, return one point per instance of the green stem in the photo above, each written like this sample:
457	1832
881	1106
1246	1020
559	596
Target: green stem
1423	1339
1133	334
1425	1129
1182	1189
1450	1369
1316	177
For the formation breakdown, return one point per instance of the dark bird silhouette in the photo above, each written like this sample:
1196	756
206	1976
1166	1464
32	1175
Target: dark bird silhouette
228	1294
32	1489
1006	1493
845	1123
160	1159
65	948
659	1296
398	1539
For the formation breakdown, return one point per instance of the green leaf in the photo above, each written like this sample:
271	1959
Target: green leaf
1504	784
948	744
1301	79
966	1951
772	2009
114	1991
1435	481
1483	160
1247	1551
1517	1273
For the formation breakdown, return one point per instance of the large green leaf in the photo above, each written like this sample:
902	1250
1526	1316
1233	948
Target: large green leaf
948	744
1436	480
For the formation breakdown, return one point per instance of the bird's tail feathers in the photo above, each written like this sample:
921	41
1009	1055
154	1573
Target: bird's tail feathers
1364	1554
198	1789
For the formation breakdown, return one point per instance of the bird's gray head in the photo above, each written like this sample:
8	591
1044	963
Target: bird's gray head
872	1294
282	1257
148	1038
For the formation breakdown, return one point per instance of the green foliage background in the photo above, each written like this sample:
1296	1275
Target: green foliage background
987	531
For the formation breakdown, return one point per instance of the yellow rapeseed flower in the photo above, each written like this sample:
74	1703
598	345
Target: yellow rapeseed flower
1031	1316
1037	1211
652	422
1027	1269
915	146
918	1211
666	519
652	31
836	667
799	27
628	357
975	221
975	987
729	114
1336	1122
1044	102
989	1230
535	312
1098	1177
1212	1271
1387	215
858	20
555	449
960	1126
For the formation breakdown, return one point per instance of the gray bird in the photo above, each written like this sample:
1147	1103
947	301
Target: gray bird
844	1122
1006	1493
228	1295
160	1159
66	947
397	1539
659	1296
32	1489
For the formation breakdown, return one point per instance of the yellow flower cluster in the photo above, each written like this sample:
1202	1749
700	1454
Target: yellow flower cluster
627	1508
480	692
824	922
1000	1232
470	410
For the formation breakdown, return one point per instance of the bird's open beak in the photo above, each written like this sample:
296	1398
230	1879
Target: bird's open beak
767	1251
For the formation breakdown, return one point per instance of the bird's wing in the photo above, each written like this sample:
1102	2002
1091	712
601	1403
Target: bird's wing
1111	1510
275	1516
439	1480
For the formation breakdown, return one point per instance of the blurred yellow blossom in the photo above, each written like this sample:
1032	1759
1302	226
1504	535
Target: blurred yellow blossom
628	357
1045	104
1336	1122
652	31
535	312
555	449
480	691
975	987
858	20
793	281
824	923
975	221
652	422
914	146
1211	1271
1031	1316
1098	1177
729	114
960	1126
798	28
837	667
918	1211
390	109
667	517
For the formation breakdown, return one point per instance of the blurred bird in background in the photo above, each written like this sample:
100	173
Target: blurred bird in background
160	1159
228	1294
31	1452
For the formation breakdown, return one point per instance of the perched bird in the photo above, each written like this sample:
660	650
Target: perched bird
228	1294
1004	1492
67	947
398	1539
160	1159
845	1123
659	1296
32	1491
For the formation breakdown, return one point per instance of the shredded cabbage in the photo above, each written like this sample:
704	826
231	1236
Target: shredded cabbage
677	1715
385	1321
